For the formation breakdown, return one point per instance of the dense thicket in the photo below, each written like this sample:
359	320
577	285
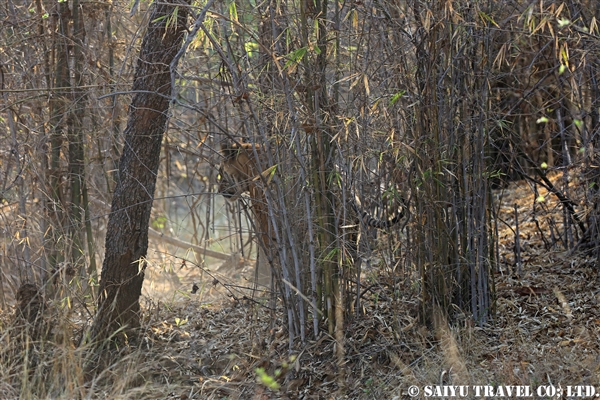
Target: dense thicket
434	102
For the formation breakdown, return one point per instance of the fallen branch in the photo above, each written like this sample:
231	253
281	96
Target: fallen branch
153	234
182	244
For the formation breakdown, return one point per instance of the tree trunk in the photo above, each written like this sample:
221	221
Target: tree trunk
76	149
127	230
59	106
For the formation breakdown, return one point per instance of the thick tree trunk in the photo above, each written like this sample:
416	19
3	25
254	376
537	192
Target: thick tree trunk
127	230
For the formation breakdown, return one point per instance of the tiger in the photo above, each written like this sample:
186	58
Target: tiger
238	170
240	173
373	222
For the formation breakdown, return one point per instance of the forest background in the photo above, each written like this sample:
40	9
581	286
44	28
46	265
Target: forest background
433	107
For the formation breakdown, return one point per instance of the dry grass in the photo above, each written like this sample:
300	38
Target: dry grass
207	346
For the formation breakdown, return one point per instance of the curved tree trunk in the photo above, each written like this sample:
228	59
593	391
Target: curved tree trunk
127	230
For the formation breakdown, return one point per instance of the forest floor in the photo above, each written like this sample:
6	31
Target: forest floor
545	331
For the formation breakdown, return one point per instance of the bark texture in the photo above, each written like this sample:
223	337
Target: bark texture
127	230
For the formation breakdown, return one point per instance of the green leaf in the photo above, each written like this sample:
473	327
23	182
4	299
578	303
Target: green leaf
266	379
295	56
395	97
233	14
159	222
487	18
541	120
251	47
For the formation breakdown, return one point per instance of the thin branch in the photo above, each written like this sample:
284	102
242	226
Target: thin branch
190	37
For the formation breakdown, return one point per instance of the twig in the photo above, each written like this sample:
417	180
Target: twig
566	202
191	35
517	244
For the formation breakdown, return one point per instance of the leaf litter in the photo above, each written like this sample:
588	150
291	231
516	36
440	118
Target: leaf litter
545	330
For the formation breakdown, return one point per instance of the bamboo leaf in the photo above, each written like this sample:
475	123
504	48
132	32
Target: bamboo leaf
295	57
233	14
267	174
395	97
487	18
